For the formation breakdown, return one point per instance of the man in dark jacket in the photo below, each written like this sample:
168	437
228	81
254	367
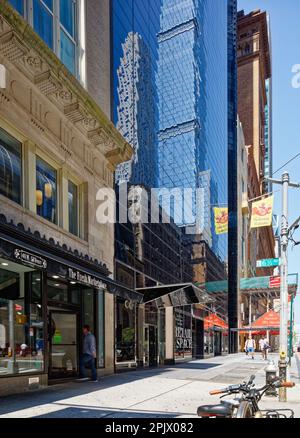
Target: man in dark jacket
88	357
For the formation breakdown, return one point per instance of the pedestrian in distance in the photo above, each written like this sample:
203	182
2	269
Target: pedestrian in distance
261	347
250	346
87	359
266	348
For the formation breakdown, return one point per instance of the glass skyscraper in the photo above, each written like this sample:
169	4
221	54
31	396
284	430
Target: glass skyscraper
171	101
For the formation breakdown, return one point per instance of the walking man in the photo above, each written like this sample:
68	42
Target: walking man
266	348
88	357
261	347
250	346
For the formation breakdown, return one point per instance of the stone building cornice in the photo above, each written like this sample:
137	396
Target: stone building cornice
22	47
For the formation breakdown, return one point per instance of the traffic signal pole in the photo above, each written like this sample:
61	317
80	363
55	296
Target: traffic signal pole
285	183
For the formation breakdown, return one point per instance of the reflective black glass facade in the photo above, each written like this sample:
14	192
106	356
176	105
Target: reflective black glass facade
170	99
175	100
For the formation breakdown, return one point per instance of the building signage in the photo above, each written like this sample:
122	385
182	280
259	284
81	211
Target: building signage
275	282
267	263
183	332
183	338
87	279
30	259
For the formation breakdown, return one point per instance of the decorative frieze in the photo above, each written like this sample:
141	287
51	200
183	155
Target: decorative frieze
47	83
11	46
4	99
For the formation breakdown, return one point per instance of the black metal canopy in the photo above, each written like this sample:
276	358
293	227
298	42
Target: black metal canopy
175	295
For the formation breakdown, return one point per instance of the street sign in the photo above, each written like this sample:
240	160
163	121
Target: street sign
267	263
274	282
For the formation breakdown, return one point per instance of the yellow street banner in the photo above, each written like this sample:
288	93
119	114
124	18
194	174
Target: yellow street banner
262	212
221	220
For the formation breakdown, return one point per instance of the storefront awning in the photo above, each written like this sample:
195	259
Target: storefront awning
175	295
269	321
214	320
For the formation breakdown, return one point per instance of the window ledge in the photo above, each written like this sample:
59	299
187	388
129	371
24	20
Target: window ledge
37	221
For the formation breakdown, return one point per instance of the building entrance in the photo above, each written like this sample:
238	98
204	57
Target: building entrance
63	344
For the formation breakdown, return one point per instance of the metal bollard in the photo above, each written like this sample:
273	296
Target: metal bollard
270	377
282	364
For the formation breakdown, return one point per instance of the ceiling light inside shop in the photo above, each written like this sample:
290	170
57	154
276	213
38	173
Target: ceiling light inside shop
57	285
56	277
4	264
73	282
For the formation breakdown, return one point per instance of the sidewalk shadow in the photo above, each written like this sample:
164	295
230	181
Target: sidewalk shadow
55	393
83	412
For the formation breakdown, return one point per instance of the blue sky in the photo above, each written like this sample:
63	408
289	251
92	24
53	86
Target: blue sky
285	28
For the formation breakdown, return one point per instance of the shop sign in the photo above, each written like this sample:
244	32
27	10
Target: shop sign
183	338
30	259
87	279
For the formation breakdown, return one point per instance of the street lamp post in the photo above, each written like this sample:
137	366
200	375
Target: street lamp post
285	183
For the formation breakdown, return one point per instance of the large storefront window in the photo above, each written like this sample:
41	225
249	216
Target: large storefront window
10	167
21	320
46	190
125	330
183	333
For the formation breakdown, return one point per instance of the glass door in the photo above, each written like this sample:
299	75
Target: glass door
63	337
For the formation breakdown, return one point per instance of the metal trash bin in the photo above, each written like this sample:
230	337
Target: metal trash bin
271	371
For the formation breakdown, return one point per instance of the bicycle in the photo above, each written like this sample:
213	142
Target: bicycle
245	405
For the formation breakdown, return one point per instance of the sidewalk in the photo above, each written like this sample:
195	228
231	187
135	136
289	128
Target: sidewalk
166	392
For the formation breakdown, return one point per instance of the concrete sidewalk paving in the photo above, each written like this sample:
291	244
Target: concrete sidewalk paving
165	392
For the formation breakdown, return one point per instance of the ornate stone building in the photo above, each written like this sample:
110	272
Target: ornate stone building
57	149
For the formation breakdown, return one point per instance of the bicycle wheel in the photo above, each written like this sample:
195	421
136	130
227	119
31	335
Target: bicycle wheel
245	410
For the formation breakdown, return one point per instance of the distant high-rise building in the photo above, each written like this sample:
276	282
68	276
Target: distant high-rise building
255	112
269	122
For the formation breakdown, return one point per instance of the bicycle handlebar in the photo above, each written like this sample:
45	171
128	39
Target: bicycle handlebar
245	388
287	385
217	391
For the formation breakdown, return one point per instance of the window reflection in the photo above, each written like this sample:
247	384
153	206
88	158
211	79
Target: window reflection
125	331
46	190
43	21
10	167
18	5
73	208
